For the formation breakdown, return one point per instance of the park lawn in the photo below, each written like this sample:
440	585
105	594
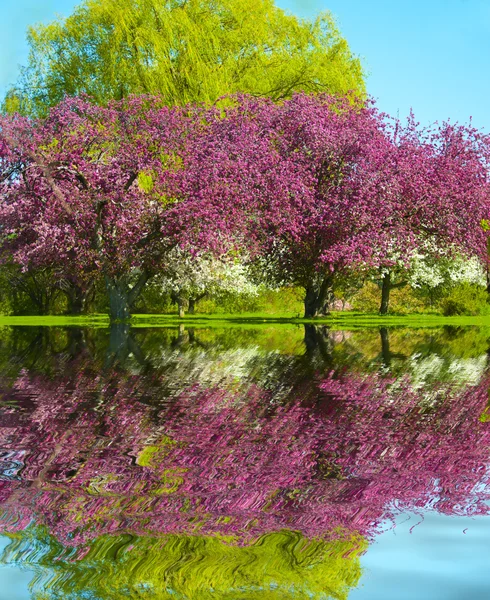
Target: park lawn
337	320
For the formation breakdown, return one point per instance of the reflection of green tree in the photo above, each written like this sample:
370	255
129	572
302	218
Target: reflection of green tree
278	565
466	342
454	350
266	355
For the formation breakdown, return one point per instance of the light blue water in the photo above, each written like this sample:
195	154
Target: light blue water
14	580
437	558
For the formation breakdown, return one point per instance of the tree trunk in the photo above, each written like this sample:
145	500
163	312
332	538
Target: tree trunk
79	298
193	302
122	296
119	308
182	304
317	297
75	297
75	305
385	294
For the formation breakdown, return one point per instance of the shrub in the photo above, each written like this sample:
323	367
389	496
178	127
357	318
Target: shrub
283	301
465	299
402	300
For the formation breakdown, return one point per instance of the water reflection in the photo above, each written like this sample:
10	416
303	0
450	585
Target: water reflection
277	565
237	462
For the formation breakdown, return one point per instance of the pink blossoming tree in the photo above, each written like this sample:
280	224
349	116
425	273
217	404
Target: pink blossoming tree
315	186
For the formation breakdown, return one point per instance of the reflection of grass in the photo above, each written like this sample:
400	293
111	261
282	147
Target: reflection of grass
458	350
281	565
336	321
56	321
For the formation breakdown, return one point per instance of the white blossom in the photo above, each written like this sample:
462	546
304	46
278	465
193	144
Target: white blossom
431	272
194	276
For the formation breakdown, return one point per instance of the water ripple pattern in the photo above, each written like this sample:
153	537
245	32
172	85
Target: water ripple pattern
255	463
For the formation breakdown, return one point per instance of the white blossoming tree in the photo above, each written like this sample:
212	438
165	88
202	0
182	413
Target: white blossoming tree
431	270
189	278
435	277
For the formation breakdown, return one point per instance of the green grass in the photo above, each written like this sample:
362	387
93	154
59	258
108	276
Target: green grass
337	320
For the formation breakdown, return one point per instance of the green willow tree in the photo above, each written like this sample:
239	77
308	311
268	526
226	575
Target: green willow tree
185	50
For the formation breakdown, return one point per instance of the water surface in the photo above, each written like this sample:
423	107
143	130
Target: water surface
260	462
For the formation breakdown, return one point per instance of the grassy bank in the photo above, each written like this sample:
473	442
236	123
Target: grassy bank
339	320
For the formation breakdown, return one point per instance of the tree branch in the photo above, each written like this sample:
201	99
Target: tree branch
46	172
130	181
140	284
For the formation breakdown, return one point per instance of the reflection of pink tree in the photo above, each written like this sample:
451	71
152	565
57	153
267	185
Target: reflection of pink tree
235	463
422	450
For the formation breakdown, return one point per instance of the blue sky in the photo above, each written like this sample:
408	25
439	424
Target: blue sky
429	55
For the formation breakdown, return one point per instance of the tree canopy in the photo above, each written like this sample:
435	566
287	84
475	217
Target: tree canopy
186	51
314	185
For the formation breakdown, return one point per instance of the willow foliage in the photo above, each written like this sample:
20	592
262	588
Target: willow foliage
186	50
